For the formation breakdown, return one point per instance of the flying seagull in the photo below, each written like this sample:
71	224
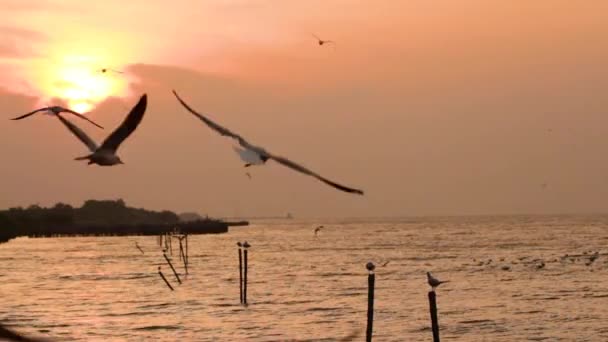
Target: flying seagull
254	155
105	70
105	155
56	110
434	282
318	229
321	41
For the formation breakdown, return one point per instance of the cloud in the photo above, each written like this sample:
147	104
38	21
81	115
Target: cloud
29	5
16	42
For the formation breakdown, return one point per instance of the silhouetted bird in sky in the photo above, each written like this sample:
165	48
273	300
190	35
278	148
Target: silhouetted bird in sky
56	110
321	42
255	155
105	70
105	155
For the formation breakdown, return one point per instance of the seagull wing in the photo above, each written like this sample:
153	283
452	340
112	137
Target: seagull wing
221	130
9	335
80	134
302	169
128	125
81	116
314	35
30	113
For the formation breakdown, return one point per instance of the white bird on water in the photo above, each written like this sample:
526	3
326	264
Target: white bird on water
255	155
105	155
56	110
434	282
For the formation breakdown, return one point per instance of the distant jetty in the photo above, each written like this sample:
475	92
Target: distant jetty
237	223
100	218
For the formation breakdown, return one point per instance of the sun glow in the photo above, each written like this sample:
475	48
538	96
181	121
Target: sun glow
77	81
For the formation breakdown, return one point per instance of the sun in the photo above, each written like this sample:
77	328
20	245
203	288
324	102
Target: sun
78	81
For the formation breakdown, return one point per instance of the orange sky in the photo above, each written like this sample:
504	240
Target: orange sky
432	107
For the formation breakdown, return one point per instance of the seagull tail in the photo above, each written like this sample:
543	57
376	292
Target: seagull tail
83	157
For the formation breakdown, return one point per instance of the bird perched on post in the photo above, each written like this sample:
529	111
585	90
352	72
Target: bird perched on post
434	282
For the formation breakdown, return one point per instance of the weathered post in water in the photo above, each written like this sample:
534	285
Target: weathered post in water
240	272
434	320
165	279
172	268
246	245
371	280
182	255
187	261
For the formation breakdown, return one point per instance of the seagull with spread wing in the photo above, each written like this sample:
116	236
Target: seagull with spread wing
105	155
105	70
254	155
321	41
56	110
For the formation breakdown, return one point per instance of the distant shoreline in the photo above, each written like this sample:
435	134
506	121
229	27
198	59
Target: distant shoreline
102	218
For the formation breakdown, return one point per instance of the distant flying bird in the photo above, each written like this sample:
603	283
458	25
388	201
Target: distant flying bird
254	155
56	110
137	245
318	229
105	155
321	41
105	70
434	282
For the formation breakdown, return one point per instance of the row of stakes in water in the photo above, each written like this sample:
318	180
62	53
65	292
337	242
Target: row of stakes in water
243	270
183	255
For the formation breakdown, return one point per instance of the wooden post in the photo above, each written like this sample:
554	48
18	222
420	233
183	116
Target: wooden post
165	279
240	272
246	245
187	260
371	280
182	255
172	268
434	319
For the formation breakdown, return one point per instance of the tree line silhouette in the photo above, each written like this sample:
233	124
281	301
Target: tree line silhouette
97	217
